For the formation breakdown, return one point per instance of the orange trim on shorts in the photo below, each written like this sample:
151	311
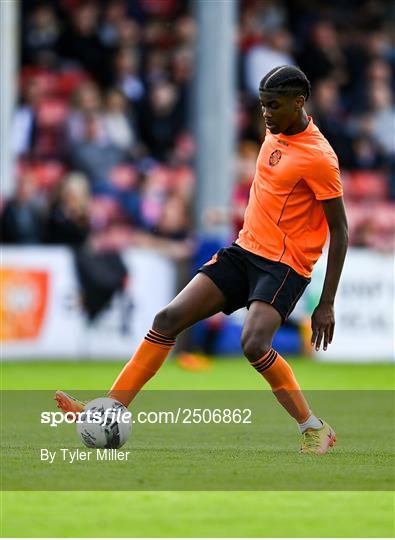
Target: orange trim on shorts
281	286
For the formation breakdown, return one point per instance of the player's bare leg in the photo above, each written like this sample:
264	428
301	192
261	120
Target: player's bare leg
261	324
200	299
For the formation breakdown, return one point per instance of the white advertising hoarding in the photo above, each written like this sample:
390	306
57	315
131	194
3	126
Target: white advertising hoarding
364	307
41	314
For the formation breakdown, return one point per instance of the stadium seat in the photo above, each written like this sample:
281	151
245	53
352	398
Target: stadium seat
48	174
68	81
357	215
123	177
366	185
52	113
383	225
50	133
384	213
46	80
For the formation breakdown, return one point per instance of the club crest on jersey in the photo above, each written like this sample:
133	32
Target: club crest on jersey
274	158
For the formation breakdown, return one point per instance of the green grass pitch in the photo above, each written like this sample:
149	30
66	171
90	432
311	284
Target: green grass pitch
197	513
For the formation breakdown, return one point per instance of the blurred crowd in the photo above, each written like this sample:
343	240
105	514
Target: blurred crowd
102	136
101	130
347	50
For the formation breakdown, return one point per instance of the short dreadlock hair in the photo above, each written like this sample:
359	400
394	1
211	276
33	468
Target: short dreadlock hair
286	80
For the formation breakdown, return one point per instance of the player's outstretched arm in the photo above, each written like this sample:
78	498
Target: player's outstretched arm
323	318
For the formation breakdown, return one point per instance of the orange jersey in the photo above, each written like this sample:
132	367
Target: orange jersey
284	219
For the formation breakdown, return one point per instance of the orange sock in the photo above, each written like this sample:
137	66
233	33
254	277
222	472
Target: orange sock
285	387
143	365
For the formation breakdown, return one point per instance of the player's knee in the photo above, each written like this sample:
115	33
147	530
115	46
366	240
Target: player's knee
168	322
255	346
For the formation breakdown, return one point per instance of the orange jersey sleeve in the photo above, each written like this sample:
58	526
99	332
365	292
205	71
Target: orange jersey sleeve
323	177
284	219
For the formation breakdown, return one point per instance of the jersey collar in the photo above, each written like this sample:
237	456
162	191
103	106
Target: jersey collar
309	128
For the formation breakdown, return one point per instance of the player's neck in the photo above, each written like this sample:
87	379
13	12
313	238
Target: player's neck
299	125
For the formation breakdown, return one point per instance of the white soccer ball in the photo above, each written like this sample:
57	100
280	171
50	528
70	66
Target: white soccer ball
104	423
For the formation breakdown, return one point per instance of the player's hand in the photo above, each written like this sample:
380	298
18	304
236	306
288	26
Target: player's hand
322	325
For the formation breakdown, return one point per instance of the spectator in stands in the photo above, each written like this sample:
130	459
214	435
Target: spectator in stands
245	166
174	222
383	120
186	30
154	191
144	66
156	66
259	19
262	58
115	11
245	172
372	71
251	122
79	44
125	75
86	100
124	188
380	46
24	120
156	35
68	220
182	70
330	117
22	218
322	56
379	72
182	66
172	232
367	154
161	119
95	155
383	115
40	36
129	33
118	121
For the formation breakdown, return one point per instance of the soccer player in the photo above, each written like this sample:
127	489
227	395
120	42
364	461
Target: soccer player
295	197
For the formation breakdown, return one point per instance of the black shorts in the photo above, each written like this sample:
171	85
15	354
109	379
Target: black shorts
244	277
